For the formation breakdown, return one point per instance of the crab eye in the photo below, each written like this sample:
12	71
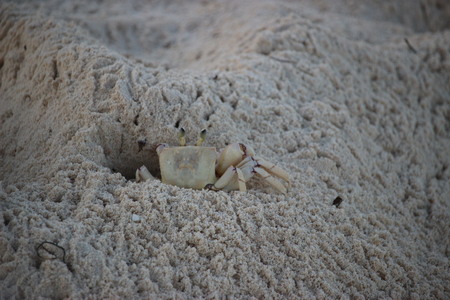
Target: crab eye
243	148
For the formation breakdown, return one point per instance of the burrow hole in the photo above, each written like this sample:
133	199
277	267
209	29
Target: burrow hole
127	162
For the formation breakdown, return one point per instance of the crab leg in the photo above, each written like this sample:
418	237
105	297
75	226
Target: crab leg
225	178
241	180
142	174
228	177
267	165
265	169
270	179
273	169
245	162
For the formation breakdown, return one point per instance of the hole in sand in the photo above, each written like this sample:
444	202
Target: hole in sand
113	146
127	160
6	219
127	165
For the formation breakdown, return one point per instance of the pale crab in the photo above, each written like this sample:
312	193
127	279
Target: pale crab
198	167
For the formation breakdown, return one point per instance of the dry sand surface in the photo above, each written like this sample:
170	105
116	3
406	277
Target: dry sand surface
352	98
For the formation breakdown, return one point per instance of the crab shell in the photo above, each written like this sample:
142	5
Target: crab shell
188	166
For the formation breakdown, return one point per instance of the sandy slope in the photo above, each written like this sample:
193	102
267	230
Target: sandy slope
329	90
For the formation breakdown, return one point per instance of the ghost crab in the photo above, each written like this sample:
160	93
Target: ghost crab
200	167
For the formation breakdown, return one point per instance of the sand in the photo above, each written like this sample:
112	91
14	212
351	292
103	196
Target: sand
352	98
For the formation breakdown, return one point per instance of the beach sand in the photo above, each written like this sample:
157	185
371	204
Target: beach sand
352	98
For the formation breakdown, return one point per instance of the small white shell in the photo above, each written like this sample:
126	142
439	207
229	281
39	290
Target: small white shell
135	218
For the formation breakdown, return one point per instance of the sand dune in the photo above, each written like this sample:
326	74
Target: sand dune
352	98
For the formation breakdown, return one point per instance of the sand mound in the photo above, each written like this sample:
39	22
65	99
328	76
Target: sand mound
352	99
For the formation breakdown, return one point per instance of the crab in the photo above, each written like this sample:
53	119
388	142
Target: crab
198	167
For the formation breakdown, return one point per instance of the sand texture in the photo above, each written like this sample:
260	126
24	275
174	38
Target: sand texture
352	98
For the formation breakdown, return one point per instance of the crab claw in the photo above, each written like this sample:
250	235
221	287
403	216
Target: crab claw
248	151
229	156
